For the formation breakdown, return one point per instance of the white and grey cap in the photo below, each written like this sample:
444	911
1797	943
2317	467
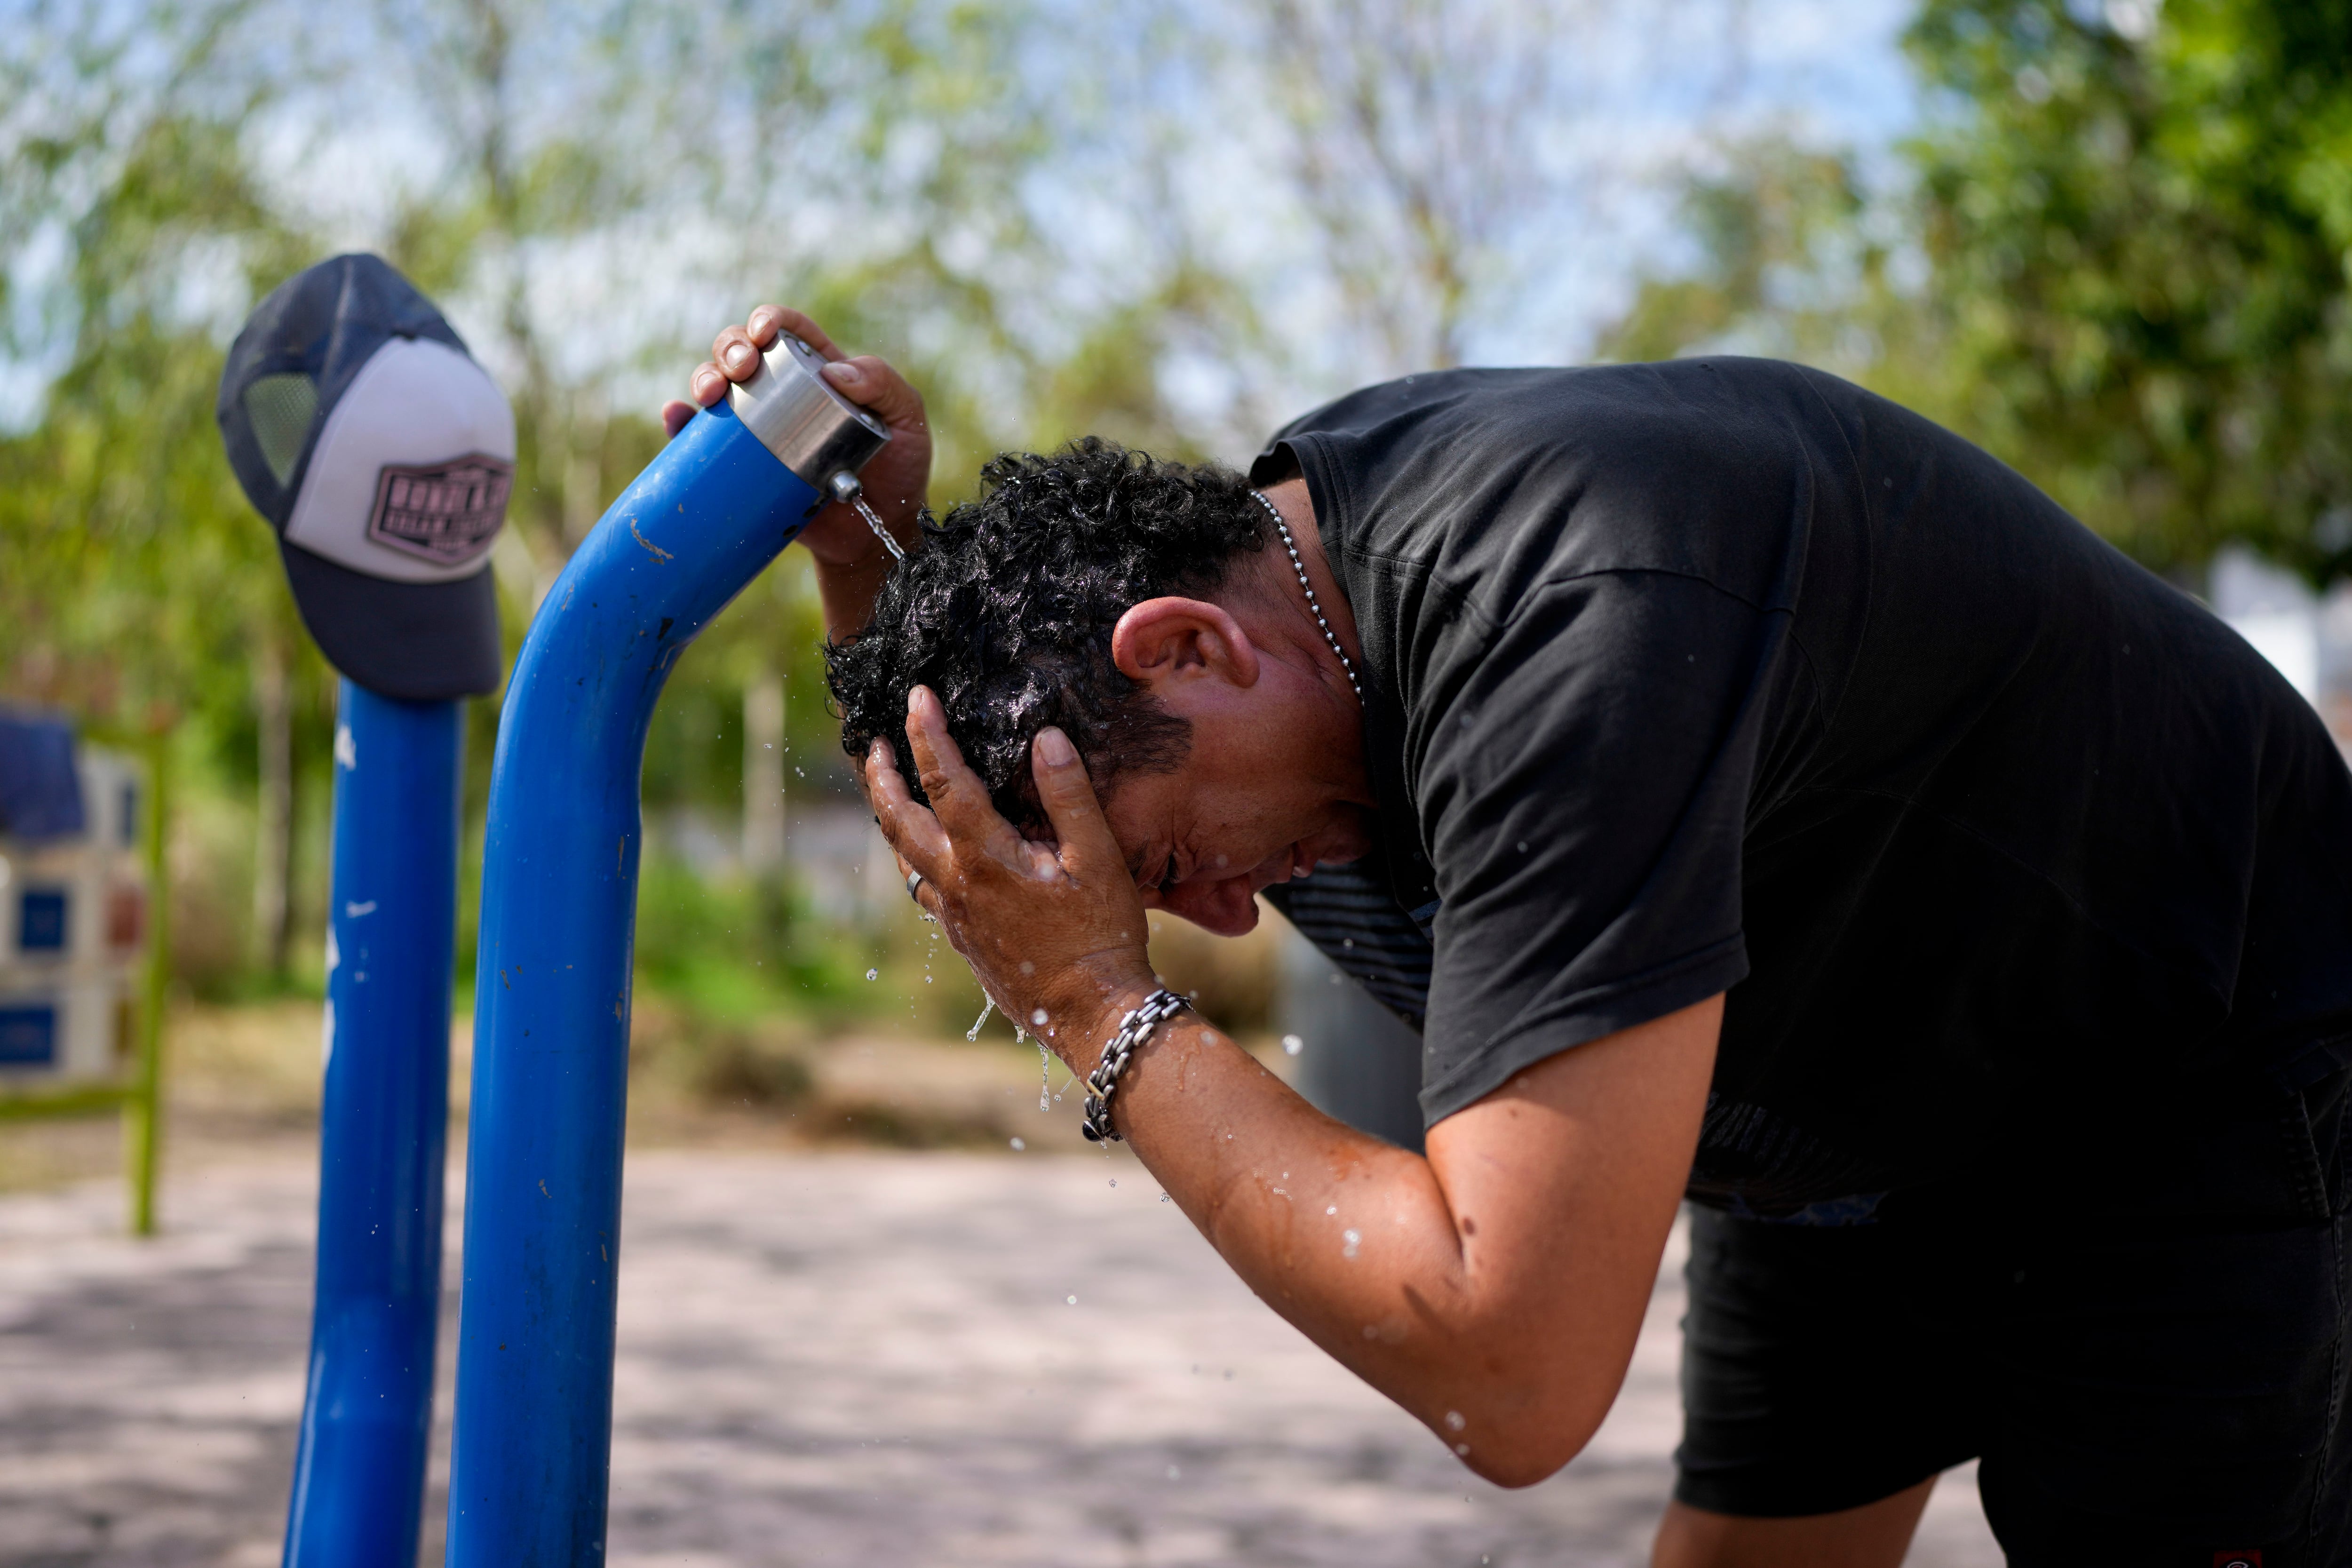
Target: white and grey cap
383	455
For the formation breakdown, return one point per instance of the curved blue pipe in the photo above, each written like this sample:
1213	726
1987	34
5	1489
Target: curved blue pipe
533	1442
359	1472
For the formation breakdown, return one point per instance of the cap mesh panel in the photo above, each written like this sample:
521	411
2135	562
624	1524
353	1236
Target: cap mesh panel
280	407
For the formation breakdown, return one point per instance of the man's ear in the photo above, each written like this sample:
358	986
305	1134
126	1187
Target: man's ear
1172	639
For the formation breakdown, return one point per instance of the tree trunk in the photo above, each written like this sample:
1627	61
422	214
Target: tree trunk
273	854
764	774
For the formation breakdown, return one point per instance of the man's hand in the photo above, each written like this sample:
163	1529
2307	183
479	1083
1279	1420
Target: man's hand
851	561
1056	929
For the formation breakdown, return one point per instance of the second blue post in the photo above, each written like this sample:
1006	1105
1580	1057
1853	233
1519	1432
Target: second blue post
359	1474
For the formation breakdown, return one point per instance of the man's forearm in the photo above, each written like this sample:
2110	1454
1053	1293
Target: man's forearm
847	592
846	589
1512	1354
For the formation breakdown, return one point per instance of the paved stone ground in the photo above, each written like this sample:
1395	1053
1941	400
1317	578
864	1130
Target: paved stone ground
826	1358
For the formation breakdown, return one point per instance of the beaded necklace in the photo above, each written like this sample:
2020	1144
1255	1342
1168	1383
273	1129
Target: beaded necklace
1299	566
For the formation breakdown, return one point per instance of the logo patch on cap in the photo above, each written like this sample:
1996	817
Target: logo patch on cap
446	513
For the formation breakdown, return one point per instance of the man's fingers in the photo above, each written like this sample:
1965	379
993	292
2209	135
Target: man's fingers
733	352
958	795
915	834
870	383
674	417
928	896
1088	849
769	320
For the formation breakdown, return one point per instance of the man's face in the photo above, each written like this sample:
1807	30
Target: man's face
1247	808
1274	781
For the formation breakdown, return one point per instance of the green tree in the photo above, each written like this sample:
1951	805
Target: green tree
2140	229
151	170
2119	254
137	579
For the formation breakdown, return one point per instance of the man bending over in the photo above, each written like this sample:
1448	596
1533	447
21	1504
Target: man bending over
1754	794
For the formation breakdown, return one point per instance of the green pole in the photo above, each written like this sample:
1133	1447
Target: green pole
142	1110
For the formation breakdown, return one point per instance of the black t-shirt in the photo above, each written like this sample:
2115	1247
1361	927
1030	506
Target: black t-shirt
1725	676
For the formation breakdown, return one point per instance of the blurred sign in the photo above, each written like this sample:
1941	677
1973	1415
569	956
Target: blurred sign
73	904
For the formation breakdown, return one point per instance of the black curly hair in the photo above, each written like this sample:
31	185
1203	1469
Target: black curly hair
1007	608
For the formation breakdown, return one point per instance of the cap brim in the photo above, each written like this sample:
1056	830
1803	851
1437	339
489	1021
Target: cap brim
417	642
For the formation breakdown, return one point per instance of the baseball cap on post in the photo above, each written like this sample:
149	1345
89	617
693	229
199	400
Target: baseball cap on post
383	455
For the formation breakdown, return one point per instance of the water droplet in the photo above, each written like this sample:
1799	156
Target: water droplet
1175	1472
1072	1300
988	1005
1370	1333
1163	1197
1292	1044
1352	1237
1027	967
1114	1180
873	974
1038	1018
1332	1210
1453	1422
1464	1449
1018	1144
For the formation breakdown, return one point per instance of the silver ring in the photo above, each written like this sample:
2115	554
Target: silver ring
914	880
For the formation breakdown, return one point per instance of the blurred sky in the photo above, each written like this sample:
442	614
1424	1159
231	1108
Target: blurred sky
1653	103
1147	145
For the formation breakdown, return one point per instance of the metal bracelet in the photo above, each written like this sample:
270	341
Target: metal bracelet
1132	1030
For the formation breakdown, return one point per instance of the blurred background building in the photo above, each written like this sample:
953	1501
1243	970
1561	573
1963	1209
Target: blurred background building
73	906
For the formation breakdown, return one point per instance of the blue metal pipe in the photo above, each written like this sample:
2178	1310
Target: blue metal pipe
532	1449
358	1473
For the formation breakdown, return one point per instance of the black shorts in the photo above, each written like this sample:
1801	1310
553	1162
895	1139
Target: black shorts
2147	1348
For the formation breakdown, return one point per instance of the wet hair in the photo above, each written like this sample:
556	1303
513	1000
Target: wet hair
1006	612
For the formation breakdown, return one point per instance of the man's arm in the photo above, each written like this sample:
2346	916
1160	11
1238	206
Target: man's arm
851	563
1494	1289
